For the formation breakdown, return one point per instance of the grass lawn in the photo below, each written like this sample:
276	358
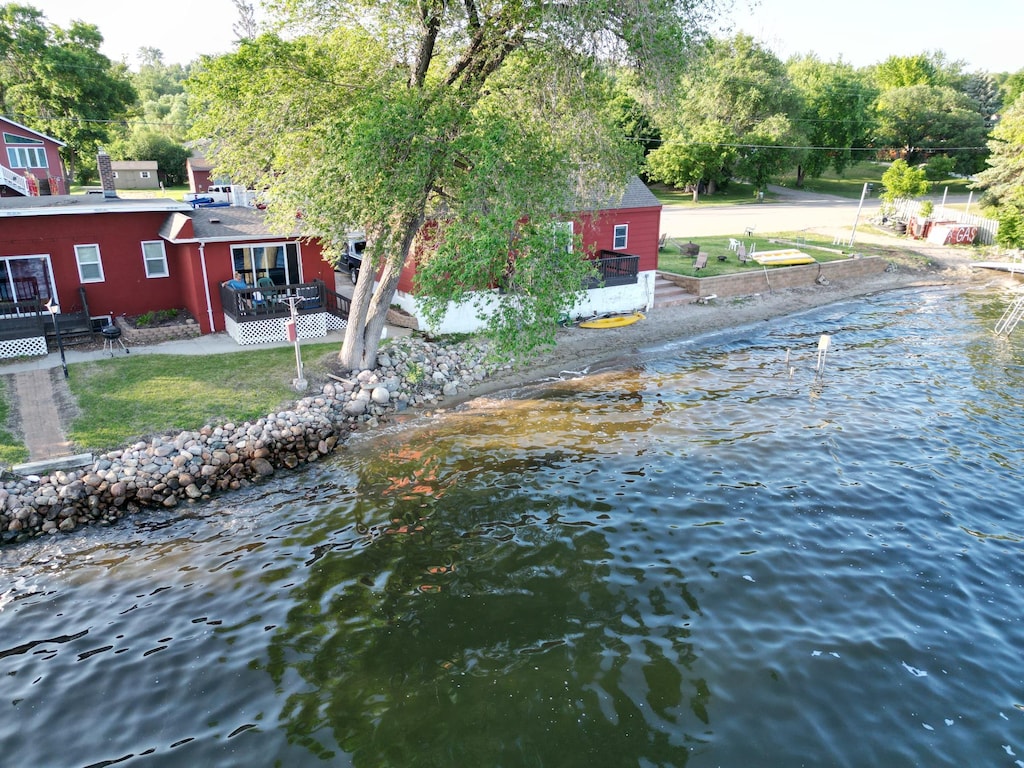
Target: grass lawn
672	259
128	398
736	194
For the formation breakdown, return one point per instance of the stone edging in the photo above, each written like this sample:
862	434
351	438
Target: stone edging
145	336
169	470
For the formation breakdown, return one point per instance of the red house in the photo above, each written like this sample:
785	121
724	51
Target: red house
622	237
96	257
30	163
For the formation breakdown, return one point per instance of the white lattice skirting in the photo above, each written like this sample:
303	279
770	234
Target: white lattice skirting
275	328
33	346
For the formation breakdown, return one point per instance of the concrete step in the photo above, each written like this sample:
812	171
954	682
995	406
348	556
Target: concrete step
668	294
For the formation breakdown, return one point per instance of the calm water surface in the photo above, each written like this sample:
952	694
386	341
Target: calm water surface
708	556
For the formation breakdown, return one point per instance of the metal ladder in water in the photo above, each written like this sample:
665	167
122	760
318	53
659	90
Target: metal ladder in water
1010	317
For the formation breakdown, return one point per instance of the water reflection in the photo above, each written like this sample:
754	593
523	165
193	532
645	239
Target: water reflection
490	626
708	557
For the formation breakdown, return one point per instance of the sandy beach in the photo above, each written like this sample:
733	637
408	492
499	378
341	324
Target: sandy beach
578	348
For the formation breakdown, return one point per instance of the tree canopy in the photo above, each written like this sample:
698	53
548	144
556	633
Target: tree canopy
487	119
56	81
1003	180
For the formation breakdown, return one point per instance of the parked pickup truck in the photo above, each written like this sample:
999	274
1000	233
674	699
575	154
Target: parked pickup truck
220	195
352	259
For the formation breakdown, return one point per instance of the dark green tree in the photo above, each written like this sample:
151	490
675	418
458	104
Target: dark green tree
56	81
744	88
925	119
1003	179
148	144
836	113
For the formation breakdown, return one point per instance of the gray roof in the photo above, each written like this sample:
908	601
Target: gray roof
223	223
637	195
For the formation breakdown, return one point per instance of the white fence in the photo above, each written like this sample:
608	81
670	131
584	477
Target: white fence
907	209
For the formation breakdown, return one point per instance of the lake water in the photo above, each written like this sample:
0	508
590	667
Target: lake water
709	555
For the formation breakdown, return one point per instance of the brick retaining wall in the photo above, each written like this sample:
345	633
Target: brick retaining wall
799	276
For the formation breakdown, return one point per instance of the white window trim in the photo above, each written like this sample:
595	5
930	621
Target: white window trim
99	262
18	157
144	174
625	237
147	258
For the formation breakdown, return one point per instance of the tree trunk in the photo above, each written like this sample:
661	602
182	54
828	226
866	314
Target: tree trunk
369	307
800	176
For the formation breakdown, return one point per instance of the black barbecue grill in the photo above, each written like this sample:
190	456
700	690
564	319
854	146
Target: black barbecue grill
112	333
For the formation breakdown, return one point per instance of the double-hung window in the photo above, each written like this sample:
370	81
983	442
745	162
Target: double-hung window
90	268
154	256
621	233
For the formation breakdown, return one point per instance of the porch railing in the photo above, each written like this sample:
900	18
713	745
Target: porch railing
21	319
249	304
615	269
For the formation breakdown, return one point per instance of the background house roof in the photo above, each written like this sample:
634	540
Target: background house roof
133	165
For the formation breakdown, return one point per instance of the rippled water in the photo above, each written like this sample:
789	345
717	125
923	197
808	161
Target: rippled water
707	556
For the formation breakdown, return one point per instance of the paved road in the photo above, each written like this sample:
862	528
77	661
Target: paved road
794	213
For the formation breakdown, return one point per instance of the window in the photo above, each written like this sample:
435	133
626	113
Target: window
114	173
90	268
621	230
155	258
26	157
26	277
144	174
279	262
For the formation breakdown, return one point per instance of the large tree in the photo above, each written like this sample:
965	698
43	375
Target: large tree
487	119
742	87
926	119
56	81
1003	180
836	113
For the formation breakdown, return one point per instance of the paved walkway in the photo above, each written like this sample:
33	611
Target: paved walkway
40	417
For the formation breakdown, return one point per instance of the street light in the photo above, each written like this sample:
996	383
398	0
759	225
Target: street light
52	308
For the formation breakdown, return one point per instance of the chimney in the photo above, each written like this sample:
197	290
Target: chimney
106	171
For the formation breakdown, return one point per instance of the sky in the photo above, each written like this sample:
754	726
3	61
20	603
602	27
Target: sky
985	35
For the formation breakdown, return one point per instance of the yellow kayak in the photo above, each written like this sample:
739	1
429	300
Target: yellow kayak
783	258
613	322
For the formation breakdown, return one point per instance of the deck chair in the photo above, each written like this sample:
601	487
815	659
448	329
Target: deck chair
734	244
267	291
741	253
701	262
662	240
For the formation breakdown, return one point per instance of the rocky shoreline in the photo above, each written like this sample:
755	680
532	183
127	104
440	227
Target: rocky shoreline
412	373
192	466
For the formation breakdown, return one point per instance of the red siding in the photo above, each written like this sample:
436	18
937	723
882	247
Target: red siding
125	288
54	172
598	233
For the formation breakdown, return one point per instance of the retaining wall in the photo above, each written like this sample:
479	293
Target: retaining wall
778	278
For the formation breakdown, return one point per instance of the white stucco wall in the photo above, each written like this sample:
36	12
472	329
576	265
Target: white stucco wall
464	317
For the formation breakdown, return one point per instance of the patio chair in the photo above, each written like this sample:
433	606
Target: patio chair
741	253
267	292
701	262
